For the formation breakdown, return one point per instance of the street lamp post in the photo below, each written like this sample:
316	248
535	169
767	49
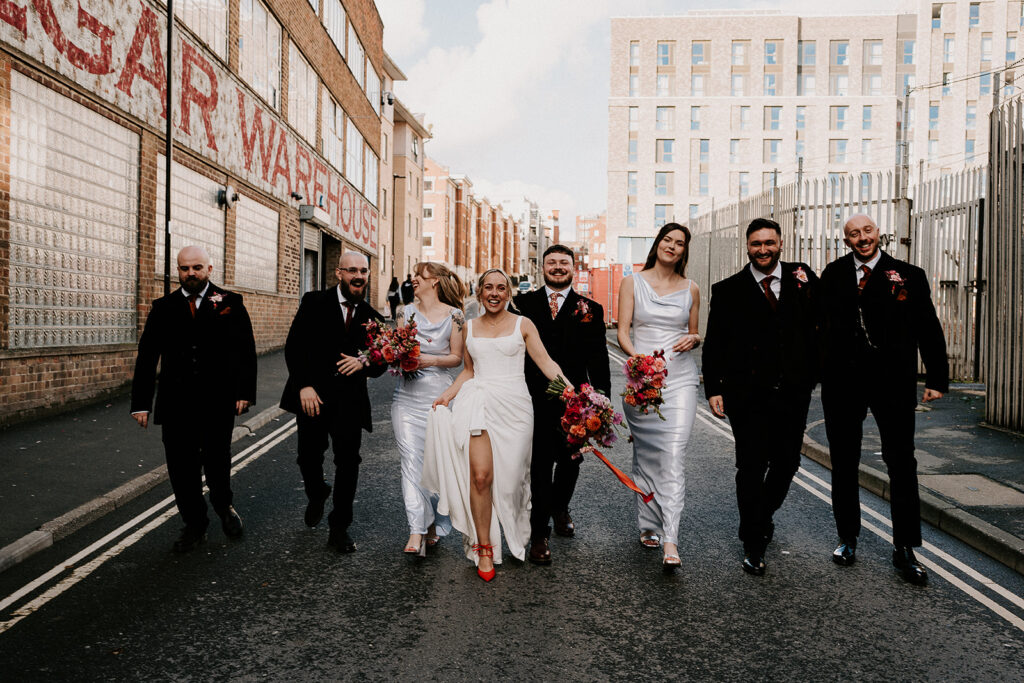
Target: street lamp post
168	149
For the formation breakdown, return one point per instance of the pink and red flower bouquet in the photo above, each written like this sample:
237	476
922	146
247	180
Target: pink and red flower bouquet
397	348
645	377
588	420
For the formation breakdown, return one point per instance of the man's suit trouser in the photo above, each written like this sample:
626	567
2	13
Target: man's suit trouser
769	435
198	443
846	405
345	436
550	493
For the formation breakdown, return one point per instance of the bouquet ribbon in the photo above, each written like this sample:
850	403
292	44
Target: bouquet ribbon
622	476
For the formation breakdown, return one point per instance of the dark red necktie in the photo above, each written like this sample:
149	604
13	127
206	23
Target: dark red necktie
350	311
863	279
192	303
766	284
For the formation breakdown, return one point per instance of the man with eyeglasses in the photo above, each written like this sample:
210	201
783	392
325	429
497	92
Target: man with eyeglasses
326	390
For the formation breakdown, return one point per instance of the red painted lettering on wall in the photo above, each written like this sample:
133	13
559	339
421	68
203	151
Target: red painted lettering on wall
206	102
302	173
334	197
15	16
282	169
318	187
146	33
94	64
345	212
266	143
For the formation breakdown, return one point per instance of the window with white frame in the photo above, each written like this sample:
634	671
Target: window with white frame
371	170
806	52
256	228
908	51
209	20
354	155
865	118
302	91
872	85
744	183
373	87
771	151
1011	47
839	117
770	88
704	150
634	85
663	85
986	48
840	85
739	53
948	49
840	52
866	151
697	85
662	213
738	84
837	151
734	151
634	118
631	153
428	212
630	216
334	22
873	52
664	118
806	84
971	116
700	50
665	54
356	56
801	118
694	118
634	53
771	51
744	118
259	54
332	129
631	183
663	183
664	151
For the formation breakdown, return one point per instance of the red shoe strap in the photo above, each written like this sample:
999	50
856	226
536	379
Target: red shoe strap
484	549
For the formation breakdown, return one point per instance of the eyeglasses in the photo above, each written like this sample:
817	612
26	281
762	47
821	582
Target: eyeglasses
354	271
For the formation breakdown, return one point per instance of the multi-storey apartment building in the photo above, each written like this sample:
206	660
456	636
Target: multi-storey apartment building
711	106
591	232
439	204
276	112
408	158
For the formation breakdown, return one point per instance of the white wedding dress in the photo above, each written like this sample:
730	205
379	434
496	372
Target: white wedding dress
497	401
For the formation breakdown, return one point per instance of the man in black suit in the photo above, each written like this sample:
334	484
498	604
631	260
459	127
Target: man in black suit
202	337
572	329
877	313
760	366
326	390
406	290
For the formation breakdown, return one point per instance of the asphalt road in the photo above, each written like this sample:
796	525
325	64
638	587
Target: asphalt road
113	603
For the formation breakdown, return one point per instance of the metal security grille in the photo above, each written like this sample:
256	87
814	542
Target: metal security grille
196	218
256	228
73	205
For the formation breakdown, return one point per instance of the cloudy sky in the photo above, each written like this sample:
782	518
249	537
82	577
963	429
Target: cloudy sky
517	90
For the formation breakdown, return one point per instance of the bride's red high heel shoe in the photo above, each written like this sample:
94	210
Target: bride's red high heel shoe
484	550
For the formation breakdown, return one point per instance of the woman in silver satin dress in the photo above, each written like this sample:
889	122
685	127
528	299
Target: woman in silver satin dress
662	306
439	329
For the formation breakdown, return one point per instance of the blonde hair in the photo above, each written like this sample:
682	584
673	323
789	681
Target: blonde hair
450	289
480	282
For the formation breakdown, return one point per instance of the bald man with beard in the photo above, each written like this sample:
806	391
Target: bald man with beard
202	337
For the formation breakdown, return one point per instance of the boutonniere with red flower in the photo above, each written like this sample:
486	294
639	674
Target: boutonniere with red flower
215	300
801	277
897	281
582	312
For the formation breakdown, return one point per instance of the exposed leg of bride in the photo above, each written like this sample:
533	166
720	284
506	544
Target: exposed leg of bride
481	475
413	544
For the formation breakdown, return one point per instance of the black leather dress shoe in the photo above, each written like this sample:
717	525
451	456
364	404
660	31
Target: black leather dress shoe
905	561
563	524
315	507
231	522
753	563
188	540
845	553
540	552
341	541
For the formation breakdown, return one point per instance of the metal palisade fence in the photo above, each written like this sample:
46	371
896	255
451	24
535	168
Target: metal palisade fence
1004	251
937	230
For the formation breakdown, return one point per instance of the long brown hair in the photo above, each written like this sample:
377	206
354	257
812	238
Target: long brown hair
652	255
450	289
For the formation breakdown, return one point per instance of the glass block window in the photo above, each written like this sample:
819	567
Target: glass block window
332	132
302	92
356	56
256	228
371	172
209	20
334	22
354	156
73	222
196	218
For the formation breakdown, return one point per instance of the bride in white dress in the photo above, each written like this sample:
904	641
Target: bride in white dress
477	454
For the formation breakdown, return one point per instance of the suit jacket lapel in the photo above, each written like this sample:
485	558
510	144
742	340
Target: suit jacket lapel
565	312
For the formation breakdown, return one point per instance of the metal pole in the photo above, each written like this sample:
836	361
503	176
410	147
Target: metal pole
168	132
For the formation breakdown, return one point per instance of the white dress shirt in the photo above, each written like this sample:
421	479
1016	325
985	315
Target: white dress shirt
562	294
344	310
872	264
775	284
199	297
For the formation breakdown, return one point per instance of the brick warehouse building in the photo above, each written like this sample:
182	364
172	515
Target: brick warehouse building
277	102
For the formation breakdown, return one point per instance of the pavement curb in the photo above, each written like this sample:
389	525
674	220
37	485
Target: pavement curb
957	522
70	522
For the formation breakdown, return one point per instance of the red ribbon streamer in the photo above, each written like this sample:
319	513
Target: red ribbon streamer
623	477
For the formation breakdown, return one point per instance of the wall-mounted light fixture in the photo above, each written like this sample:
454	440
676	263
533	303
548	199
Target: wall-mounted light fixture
226	197
387	97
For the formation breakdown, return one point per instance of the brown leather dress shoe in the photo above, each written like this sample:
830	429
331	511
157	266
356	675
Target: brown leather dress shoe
563	524
539	553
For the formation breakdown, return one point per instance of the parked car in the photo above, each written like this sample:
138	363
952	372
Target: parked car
524	286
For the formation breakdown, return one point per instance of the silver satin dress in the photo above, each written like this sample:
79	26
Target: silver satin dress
659	447
410	406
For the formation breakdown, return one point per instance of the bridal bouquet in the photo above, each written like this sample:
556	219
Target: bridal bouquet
645	376
398	348
589	419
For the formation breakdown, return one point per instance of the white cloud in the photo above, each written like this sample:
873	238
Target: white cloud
473	93
404	30
547	198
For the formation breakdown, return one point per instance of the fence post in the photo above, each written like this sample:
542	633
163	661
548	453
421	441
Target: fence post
904	239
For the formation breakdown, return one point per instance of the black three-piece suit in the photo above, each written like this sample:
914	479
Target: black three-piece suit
317	339
575	339
207	364
762	360
871	340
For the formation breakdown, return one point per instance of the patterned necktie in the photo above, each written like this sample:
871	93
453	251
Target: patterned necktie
350	311
766	284
863	279
554	304
192	303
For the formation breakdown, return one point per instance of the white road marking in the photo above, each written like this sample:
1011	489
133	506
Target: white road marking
241	460
1018	622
